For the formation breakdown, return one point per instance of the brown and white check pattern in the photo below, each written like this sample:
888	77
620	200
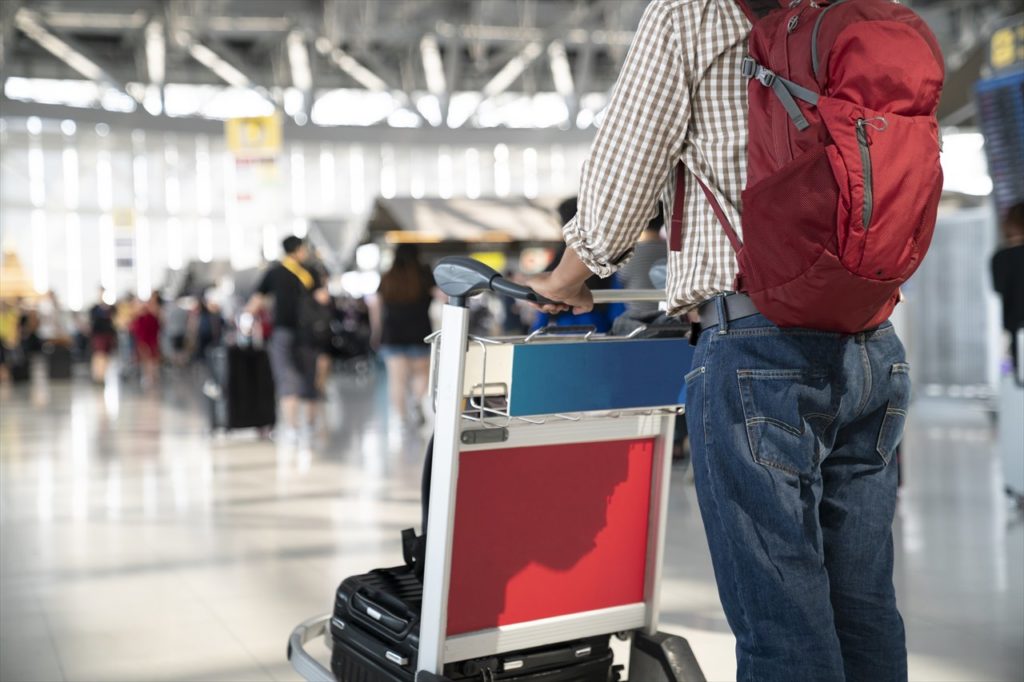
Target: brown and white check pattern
680	96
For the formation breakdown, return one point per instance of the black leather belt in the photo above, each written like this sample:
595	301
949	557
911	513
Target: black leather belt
736	307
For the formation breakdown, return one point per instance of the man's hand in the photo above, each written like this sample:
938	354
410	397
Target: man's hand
566	284
576	297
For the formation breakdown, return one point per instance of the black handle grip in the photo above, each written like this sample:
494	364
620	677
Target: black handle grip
461	277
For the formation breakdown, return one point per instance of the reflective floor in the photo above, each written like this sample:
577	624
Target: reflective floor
133	546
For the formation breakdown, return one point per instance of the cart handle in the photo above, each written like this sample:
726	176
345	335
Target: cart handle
462	277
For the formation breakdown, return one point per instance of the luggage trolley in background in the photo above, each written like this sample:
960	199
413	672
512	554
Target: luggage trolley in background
548	492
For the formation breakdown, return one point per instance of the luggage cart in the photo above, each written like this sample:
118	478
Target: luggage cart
548	491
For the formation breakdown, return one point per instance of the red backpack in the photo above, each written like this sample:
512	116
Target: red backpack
843	175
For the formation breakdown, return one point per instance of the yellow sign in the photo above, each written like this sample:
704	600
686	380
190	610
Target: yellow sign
1006	49
124	219
254	135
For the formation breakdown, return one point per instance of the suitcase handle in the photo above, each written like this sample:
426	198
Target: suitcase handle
378	614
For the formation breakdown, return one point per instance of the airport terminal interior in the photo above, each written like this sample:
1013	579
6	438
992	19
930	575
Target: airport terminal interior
163	517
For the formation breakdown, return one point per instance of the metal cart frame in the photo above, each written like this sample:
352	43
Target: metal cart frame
465	420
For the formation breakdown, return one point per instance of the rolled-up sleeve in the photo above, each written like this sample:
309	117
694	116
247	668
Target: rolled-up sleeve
636	148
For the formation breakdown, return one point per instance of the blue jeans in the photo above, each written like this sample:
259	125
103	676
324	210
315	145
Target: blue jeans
793	433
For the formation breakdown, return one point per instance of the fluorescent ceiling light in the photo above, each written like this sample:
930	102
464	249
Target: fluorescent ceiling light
511	71
298	58
359	73
433	67
560	71
156	52
225	71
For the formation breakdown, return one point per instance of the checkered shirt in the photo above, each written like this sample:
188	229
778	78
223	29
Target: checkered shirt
679	97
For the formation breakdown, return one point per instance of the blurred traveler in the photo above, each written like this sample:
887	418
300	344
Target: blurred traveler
145	330
124	312
55	323
205	327
400	320
28	330
102	337
600	316
636	274
289	283
315	319
798	519
1008	275
175	321
10	341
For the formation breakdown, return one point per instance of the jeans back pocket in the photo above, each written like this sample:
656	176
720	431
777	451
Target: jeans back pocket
786	413
891	432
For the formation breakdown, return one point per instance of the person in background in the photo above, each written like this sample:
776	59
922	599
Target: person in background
400	320
9	340
636	274
145	330
1008	275
602	315
124	313
55	323
315	336
175	319
28	331
289	283
102	337
205	327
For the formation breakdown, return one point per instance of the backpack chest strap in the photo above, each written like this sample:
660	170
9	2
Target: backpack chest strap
785	89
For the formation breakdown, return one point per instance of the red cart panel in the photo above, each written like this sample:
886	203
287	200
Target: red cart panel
548	531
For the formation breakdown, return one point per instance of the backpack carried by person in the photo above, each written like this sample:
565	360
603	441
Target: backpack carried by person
843	174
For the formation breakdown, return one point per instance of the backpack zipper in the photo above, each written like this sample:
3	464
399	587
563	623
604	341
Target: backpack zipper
814	36
865	158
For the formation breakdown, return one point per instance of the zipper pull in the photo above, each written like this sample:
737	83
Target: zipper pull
863	123
862	135
793	22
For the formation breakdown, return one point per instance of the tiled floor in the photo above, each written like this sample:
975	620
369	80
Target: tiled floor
135	547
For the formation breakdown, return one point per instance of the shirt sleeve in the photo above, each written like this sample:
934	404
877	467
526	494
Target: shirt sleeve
636	147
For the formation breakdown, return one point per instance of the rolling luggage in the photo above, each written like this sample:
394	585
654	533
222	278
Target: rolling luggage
18	365
375	632
241	388
58	361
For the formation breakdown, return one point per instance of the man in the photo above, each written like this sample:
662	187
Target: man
1008	275
289	283
792	430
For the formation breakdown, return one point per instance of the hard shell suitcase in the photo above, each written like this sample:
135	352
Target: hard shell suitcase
58	361
241	388
375	631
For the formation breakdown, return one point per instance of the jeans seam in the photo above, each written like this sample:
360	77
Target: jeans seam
714	496
865	362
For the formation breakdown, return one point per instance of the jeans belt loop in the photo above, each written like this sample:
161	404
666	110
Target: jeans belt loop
723	315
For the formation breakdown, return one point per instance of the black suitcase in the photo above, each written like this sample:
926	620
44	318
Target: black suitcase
375	631
58	361
18	365
241	388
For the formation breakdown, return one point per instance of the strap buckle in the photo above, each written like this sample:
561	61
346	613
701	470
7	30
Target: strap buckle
765	76
751	69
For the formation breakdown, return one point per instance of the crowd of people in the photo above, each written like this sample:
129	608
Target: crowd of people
292	315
